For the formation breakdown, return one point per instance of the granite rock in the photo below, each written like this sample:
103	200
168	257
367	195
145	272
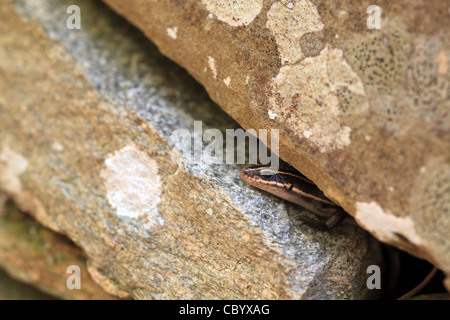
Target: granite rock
85	148
363	112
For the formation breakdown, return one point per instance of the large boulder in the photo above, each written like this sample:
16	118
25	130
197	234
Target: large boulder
362	111
85	148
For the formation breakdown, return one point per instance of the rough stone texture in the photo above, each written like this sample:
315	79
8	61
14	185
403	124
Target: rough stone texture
363	113
37	256
86	116
11	289
440	296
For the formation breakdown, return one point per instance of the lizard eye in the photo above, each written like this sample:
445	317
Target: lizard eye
266	172
260	173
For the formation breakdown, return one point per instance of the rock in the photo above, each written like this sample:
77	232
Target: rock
11	289
362	112
87	117
432	296
40	257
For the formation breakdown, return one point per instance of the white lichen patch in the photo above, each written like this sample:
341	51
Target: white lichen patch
212	66
133	185
289	23
234	13
272	115
172	32
12	165
385	226
305	97
341	74
227	81
57	146
307	134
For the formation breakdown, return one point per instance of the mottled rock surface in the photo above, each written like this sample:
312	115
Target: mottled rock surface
362	112
86	119
11	289
39	257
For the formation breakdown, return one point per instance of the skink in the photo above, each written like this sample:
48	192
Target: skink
289	184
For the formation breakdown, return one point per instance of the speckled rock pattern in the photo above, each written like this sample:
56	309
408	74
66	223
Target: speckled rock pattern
362	112
11	289
84	149
40	257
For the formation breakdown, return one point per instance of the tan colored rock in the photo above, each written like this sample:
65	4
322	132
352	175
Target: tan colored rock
11	289
362	112
40	257
86	120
